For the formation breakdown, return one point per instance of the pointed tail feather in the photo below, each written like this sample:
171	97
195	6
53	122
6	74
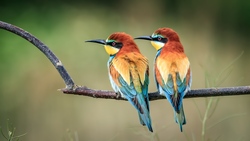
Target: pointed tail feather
141	105
180	117
145	120
144	117
140	118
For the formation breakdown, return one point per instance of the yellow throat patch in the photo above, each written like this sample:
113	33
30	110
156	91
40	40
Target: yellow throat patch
111	50
157	45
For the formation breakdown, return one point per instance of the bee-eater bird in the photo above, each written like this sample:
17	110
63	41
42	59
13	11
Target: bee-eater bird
128	72
171	69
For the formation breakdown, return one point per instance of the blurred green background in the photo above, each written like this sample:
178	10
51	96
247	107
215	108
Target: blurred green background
214	33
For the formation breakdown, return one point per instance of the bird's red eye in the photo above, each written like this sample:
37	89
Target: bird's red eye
159	38
113	43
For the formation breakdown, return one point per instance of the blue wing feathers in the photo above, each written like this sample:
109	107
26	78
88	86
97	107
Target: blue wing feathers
139	100
175	97
145	91
169	91
128	90
181	84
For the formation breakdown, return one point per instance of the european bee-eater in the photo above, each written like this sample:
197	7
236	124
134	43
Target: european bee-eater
128	72
171	69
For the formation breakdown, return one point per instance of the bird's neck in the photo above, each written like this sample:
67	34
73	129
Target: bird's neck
173	47
126	49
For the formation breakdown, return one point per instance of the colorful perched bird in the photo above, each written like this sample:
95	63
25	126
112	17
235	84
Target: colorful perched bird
171	69
128	72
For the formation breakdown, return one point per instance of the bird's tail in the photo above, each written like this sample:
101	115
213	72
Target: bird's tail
180	117
142	106
145	120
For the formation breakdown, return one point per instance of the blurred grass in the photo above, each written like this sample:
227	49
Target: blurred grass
29	96
10	135
212	103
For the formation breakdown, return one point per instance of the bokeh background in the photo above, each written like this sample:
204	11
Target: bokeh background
214	34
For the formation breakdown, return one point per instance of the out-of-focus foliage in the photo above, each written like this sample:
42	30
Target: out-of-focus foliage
213	33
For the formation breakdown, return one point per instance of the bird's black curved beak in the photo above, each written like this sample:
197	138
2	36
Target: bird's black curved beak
99	41
144	38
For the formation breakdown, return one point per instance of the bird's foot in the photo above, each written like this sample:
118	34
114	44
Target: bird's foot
118	95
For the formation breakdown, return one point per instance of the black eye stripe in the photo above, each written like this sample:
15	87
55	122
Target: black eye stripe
160	39
115	44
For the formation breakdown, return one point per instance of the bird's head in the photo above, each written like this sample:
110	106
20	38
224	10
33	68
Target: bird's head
161	37
116	42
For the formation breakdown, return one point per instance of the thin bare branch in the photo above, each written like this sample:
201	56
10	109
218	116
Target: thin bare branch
208	92
84	91
43	48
